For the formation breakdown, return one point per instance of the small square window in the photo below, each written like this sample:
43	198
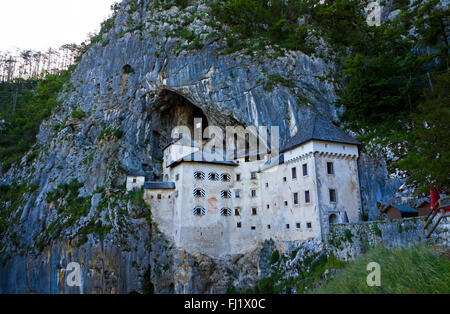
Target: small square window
159	196
254	211
285	203
239	224
253	175
253	228
253	193
268	226
309	225
284	179
298	225
305	170
236	212
330	168
288	226
238	177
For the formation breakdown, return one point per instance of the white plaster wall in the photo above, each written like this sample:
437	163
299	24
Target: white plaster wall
140	180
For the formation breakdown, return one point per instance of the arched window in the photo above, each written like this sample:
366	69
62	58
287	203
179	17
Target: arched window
199	175
225	212
225	194
199	193
226	177
199	211
213	176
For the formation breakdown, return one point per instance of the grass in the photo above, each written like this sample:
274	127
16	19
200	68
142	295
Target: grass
417	270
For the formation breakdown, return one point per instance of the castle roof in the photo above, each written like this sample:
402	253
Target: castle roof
159	185
321	129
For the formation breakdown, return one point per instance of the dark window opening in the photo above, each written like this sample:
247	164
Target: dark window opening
288	226
330	168
298	225
254	211
295	198
294	173
307	197
333	196
305	170
309	225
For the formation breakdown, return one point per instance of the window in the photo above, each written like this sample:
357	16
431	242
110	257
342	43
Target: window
284	179
237	194
177	177
253	228
298	225
134	180
176	194
199	211
239	224
225	194
295	198
294	173
332	196
253	193
199	193
237	212
238	177
253	175
268	226
198	175
305	170
309	225
254	211
288	226
212	176
307	197
268	206
225	212
226	177
285	203
267	185
159	196
330	168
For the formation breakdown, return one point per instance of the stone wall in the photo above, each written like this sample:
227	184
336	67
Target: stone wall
350	240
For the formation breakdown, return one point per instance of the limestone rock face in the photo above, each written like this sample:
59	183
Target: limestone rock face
134	85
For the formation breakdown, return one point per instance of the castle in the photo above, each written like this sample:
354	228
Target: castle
230	207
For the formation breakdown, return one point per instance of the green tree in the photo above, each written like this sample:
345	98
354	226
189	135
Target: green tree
428	157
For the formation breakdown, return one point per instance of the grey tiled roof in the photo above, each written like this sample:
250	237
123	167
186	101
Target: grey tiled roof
318	128
159	185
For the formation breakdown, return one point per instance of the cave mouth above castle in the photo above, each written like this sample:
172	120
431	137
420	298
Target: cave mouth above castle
176	110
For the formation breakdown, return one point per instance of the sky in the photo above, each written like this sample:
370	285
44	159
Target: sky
41	24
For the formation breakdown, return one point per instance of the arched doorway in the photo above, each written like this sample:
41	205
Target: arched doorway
333	219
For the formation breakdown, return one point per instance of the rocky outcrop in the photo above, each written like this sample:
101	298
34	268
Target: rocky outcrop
134	84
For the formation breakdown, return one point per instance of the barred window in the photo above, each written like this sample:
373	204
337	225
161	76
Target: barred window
225	212
199	175
225	194
199	193
199	211
213	176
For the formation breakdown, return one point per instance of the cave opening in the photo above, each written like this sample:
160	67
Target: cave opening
176	110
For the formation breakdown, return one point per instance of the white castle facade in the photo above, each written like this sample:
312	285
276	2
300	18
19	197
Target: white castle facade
229	207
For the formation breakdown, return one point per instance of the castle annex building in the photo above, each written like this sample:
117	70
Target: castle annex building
230	207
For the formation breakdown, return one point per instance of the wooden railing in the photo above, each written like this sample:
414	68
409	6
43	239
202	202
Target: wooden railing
439	207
